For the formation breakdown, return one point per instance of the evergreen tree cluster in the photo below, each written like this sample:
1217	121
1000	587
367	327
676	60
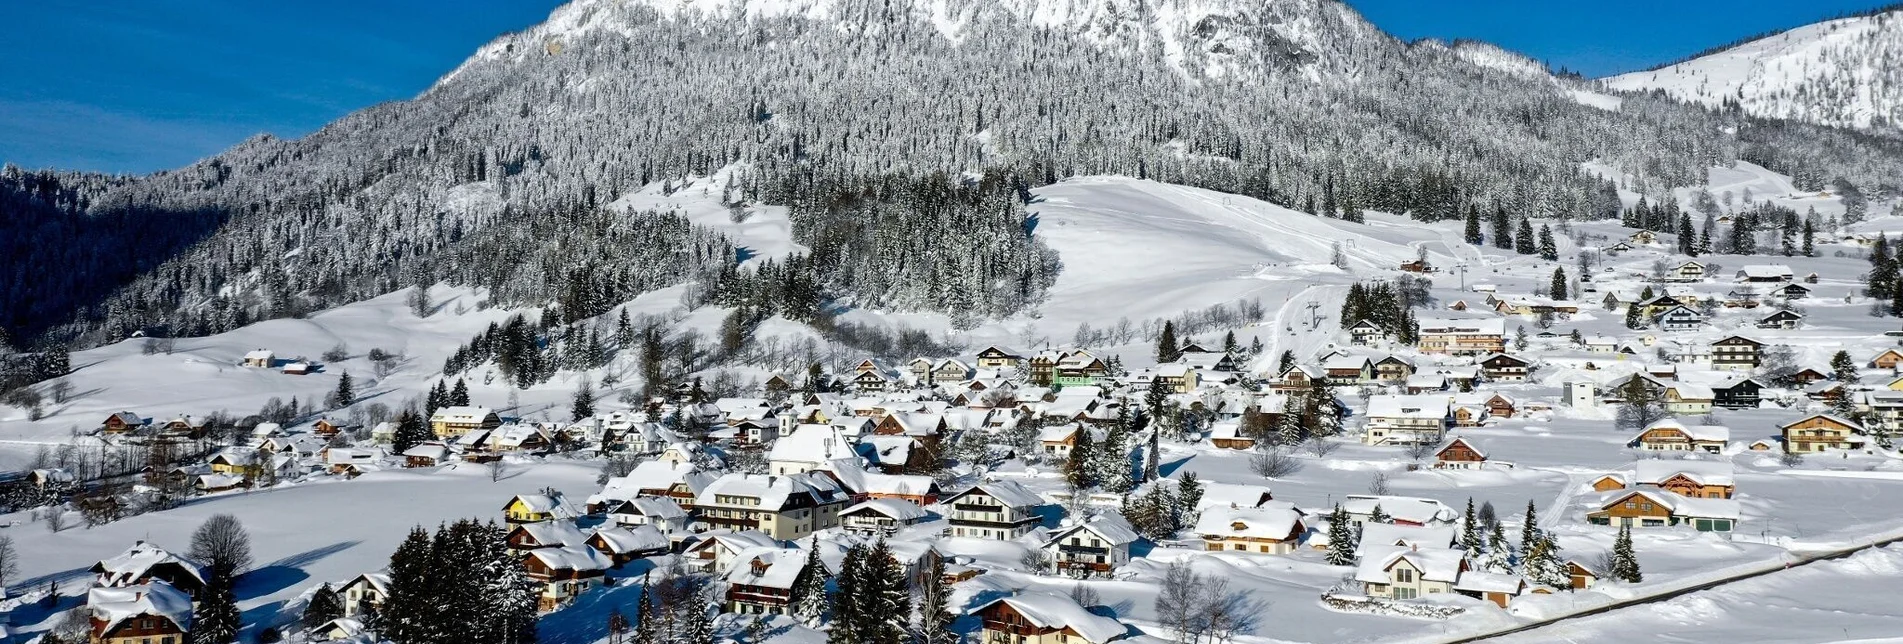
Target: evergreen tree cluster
872	603
1379	303
458	586
22	369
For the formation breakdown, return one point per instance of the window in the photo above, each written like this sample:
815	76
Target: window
1404	575
1404	593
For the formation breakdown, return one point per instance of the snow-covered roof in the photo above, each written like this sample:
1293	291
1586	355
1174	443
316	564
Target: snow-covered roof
1233	494
812	444
1112	528
1764	271
1702	472
554	505
1475	581
651	507
128	567
1422	406
1401	508
905	484
899	510
157	599
1051	611
1259	523
1010	493
260	354
1435	564
582	559
779	567
460	414
1378	535
1690	391
1463	326
622	539
654	476
554	533
772	492
1679	505
433	451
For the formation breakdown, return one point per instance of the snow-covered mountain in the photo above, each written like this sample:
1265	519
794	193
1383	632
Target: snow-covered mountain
1846	73
852	115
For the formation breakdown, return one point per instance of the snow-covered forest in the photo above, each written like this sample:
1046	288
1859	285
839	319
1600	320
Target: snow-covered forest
825	103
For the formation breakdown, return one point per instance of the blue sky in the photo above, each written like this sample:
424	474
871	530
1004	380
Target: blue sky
138	85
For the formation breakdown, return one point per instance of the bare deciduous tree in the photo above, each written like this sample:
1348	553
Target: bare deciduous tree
1201	608
1418	450
1379	484
1273	464
1320	447
9	560
223	546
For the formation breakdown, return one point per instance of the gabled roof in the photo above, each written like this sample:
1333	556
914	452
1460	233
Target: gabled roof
1057	612
127	567
581	558
1256	523
623	539
1702	472
157	599
555	505
1460	440
1435	564
1403	508
1854	425
1010	493
553	533
1375	536
899	510
1110	527
779	567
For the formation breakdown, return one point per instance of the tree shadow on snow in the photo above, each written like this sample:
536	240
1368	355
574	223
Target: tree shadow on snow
586	620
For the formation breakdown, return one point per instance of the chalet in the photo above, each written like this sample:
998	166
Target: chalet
1821	432
1401	573
881	517
261	359
718	551
1826	391
1797	291
1177	377
1670	435
328	427
1421	383
1393	369
1079	369
1765	274
1056	442
1375	536
1261	530
1462	336
151	613
996	357
1650	309
209	483
1501	367
1736	353
429	454
1695	479
1043	367
123	422
364	594
1685	398
1691	271
1401	510
1364	332
518	438
1417	266
1394	419
1093	548
1044	618
762	582
1649	508
1808	375
1886	360
450	422
145	563
1643	237
622	544
871	380
1582	576
565	573
1468	415
999	510
523	537
1460	453
183	426
660	513
1617	300
1742	393
914	488
783	507
1348	370
1781	320
1298	378
1679	318
532	508
297	368
950	370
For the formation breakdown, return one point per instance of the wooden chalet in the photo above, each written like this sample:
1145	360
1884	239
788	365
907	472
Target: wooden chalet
1460	454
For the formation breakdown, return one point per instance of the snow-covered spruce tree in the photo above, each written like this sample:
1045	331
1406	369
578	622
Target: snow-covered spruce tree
510	597
215	616
324	606
1549	249
1167	348
1079	466
1471	540
934	607
1110	464
1471	232
1502	236
1500	556
1529	529
1625	562
887	603
850	602
1288	428
344	395
1342	538
1378	515
584	402
459	396
810	600
410	610
1543	564
1523	242
1189	497
1844	368
1558	287
410	431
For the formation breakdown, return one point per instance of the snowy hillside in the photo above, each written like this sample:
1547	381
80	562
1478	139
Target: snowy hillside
1846	72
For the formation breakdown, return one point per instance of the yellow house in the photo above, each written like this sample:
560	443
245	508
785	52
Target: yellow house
534	508
450	422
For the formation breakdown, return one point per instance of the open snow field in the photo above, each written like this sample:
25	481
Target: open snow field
1135	249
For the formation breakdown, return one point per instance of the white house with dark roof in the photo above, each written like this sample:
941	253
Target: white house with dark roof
1001	510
